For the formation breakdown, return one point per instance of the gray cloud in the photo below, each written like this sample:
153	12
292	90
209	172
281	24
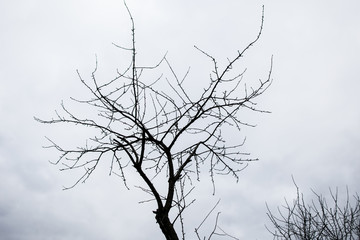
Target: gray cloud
313	132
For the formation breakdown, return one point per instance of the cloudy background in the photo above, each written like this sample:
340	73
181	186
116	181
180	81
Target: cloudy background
313	132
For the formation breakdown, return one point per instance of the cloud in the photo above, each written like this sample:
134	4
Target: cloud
312	133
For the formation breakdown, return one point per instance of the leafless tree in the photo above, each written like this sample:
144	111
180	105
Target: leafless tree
163	132
317	220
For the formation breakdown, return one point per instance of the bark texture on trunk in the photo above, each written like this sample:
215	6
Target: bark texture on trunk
166	226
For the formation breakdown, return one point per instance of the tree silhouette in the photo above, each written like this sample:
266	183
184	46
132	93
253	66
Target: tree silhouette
163	132
317	220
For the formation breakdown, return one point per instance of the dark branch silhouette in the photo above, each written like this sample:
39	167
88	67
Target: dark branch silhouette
317	220
163	132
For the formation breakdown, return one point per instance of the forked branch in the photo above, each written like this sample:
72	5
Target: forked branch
159	130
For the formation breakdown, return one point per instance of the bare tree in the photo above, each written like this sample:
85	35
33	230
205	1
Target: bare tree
317	220
161	133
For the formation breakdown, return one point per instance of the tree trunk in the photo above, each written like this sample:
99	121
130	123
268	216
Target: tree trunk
166	226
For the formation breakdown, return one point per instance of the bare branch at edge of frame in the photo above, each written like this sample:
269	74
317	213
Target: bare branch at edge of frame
319	219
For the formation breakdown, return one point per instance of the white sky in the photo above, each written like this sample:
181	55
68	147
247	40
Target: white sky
313	132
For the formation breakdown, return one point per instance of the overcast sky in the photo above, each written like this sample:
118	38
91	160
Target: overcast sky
313	132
